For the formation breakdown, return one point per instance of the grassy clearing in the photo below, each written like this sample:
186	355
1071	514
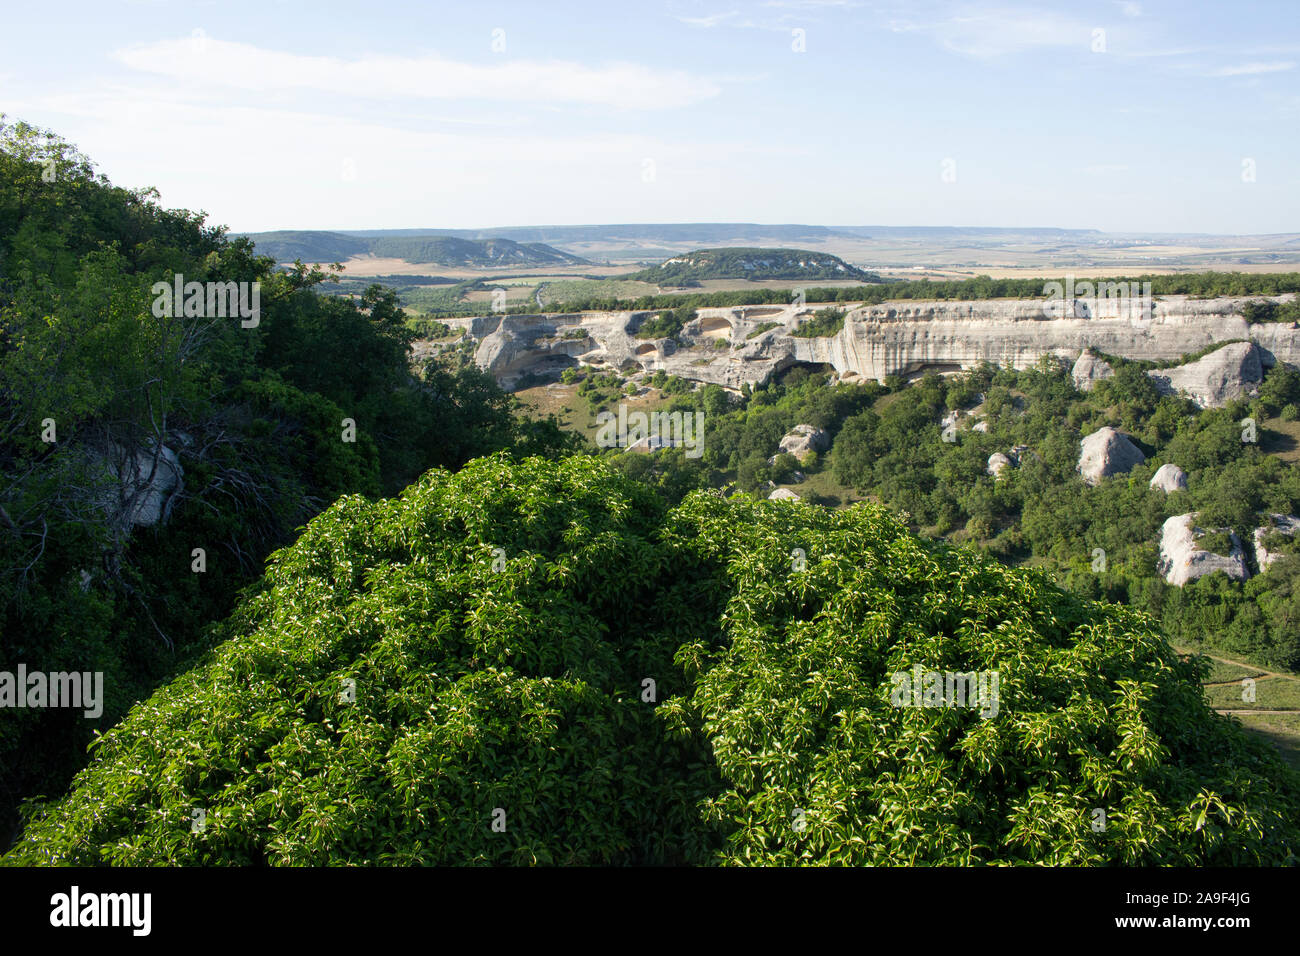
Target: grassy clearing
1281	438
569	290
1223	671
1281	730
1271	693
573	411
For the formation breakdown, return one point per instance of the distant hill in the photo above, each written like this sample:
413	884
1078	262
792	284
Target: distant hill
696	232
744	263
442	250
287	245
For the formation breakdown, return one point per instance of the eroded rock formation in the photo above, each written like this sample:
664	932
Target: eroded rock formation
898	338
1182	559
1107	452
1169	477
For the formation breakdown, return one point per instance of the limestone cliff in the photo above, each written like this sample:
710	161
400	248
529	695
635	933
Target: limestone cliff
898	338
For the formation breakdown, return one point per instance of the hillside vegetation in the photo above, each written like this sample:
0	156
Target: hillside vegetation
743	263
539	662
307	246
256	417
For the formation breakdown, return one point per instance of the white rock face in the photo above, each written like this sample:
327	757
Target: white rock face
1181	560
783	494
890	338
803	439
1215	379
1088	370
1107	452
980	426
140	486
998	463
1288	525
1169	477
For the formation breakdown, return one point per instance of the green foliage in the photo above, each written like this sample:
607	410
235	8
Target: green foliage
255	415
1201	284
666	325
397	681
742	263
824	322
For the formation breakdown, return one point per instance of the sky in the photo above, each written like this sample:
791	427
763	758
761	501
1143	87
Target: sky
1119	115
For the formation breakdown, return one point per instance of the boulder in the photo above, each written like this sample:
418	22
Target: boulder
803	439
1182	560
783	494
1169	477
1225	374
1288	525
140	483
980	426
998	463
1088	370
1107	452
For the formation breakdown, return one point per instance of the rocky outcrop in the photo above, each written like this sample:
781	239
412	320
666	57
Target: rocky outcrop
998	463
1212	381
783	494
1169	477
1088	370
1288	525
891	338
1107	452
1182	559
804	439
140	484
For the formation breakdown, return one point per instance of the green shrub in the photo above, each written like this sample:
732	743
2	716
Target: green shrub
478	650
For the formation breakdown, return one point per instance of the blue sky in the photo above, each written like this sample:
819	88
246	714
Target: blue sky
274	114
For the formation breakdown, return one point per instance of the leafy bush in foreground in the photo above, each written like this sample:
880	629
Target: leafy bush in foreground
398	684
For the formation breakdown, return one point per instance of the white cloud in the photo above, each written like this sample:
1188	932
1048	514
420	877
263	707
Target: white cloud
710	21
1129	9
210	62
995	31
1252	69
261	167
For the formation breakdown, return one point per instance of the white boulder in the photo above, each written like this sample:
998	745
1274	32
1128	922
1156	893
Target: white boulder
803	439
998	463
1225	374
1106	452
1182	560
1169	477
1288	525
1088	370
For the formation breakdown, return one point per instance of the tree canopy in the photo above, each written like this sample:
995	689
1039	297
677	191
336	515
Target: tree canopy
540	661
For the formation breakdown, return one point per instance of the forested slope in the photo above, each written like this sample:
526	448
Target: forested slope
253	411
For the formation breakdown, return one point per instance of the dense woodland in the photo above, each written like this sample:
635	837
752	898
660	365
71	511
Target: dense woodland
255	414
422	615
888	444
